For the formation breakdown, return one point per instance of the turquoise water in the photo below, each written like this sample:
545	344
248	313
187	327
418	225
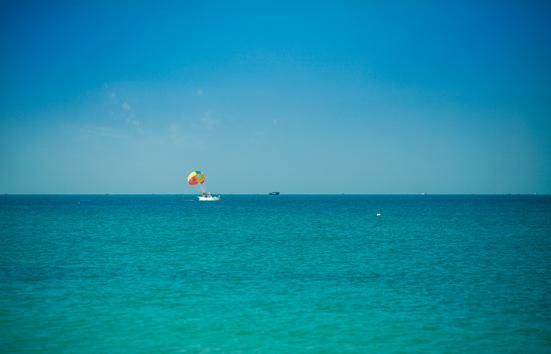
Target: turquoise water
287	274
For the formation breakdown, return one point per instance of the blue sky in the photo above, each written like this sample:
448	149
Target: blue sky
336	97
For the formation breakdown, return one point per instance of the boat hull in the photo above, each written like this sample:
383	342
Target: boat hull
212	198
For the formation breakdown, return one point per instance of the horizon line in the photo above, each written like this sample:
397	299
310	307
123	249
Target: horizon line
328	194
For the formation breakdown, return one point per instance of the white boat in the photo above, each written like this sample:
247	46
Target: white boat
207	197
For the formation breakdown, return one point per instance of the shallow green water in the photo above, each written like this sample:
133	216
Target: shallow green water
448	274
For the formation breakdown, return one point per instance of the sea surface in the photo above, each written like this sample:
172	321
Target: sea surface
275	274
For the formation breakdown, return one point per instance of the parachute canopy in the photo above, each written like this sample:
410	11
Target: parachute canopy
196	177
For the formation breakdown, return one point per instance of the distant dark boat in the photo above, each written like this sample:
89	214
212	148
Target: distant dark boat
274	193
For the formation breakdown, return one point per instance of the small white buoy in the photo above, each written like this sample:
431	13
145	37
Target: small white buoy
378	214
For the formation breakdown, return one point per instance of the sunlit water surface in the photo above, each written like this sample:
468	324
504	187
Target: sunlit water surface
288	274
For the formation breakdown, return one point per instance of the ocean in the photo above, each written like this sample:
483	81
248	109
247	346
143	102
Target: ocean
275	274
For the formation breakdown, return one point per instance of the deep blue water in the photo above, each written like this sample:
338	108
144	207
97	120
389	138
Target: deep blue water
287	274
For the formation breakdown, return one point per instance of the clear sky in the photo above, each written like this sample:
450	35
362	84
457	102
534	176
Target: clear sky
316	97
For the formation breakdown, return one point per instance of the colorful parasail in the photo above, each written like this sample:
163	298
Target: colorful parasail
196	177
